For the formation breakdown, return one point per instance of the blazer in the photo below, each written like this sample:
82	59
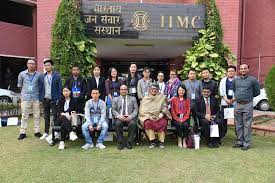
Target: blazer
131	106
61	103
56	86
175	109
80	83
91	83
200	107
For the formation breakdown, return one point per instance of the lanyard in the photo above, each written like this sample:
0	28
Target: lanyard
114	85
31	77
49	79
181	104
146	83
192	87
96	106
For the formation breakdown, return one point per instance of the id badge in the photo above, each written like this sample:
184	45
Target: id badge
145	93
133	90
181	116
193	96
30	88
95	119
230	92
115	94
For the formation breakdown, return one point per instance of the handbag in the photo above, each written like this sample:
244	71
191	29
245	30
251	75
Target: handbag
214	130
228	113
190	140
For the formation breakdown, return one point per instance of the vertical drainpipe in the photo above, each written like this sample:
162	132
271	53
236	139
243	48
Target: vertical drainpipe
242	31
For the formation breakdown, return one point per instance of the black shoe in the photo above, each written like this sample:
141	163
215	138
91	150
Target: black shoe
22	136
245	148
120	146
210	145
38	134
237	146
216	145
129	145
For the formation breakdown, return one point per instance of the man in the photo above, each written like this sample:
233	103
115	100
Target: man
206	81
28	83
96	81
207	109
245	87
160	82
124	110
226	92
193	89
144	83
77	85
51	89
153	115
95	115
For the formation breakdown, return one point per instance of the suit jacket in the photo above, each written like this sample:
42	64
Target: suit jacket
131	106
91	83
201	108
61	103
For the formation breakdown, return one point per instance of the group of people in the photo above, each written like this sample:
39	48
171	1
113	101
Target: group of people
137	99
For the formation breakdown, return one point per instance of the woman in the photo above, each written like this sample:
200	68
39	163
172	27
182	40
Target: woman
180	110
112	84
66	107
132	80
160	82
144	83
172	84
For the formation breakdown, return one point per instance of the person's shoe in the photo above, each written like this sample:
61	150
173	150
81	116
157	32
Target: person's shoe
184	145
237	146
120	146
57	135
73	136
100	146
61	145
22	136
153	145
179	142
161	145
129	145
49	139
87	146
245	148
44	136
216	145
38	134
210	145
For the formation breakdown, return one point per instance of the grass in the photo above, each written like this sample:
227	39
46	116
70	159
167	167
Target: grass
32	160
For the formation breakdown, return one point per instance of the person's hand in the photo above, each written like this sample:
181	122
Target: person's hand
212	117
128	118
73	112
153	118
63	114
121	118
91	128
160	115
98	127
207	116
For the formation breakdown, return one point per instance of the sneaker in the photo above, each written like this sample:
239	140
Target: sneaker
49	139
161	145
153	145
44	136
100	146
129	145
87	146
120	146
38	134
73	136
210	145
237	146
184	145
22	136
57	135
245	148
61	145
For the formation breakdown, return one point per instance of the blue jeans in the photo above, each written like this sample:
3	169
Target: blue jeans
87	136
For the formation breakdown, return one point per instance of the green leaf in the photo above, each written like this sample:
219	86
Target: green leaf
208	47
214	55
194	64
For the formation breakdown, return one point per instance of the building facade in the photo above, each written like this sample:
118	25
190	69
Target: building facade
248	30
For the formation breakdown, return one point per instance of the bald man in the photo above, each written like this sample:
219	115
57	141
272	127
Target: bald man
245	87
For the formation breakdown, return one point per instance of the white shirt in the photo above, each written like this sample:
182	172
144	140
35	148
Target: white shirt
97	81
161	87
66	104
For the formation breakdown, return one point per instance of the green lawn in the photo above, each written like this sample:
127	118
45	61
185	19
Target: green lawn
32	160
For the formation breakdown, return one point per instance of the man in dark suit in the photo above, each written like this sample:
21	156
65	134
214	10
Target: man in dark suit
207	111
125	110
96	81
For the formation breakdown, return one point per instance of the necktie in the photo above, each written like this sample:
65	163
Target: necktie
208	110
124	107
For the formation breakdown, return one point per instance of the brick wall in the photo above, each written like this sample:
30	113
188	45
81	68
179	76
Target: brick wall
46	12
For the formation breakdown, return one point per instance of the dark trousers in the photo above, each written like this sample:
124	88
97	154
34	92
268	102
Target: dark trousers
205	124
48	104
65	125
224	123
132	127
182	128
